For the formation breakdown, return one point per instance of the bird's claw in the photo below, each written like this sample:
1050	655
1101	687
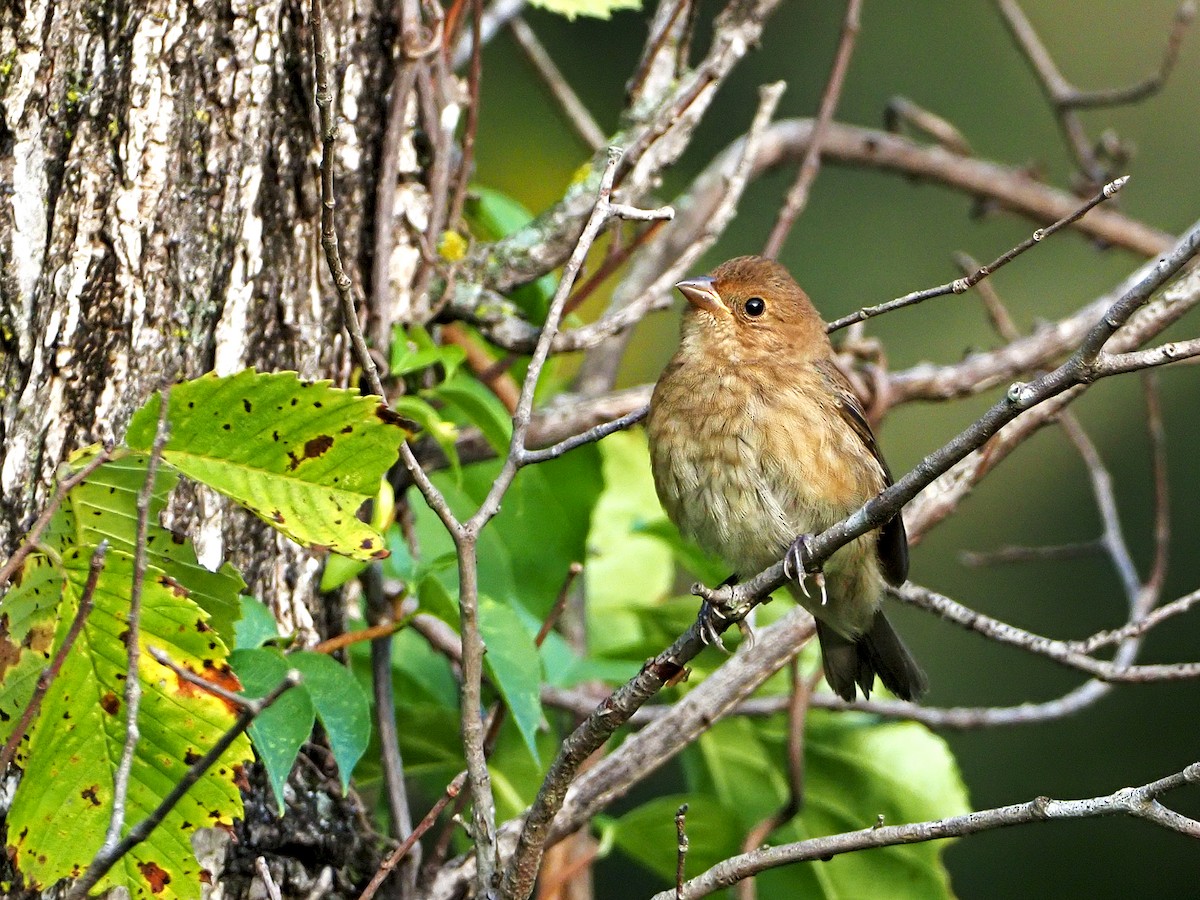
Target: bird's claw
795	565
718	610
710	636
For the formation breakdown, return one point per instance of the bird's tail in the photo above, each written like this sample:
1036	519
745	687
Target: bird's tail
878	651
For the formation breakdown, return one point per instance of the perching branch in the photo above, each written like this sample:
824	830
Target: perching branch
1141	802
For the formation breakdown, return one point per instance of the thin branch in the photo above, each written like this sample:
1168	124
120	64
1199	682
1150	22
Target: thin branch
962	285
397	856
1138	627
467	144
1135	360
901	110
797	197
681	849
1008	188
1059	651
1066	100
35	533
107	858
590	436
133	633
329	241
577	114
1138	802
1113	537
1162	494
495	17
977	559
51	671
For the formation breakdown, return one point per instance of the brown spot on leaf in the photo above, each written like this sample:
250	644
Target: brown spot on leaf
277	516
246	405
205	876
312	449
172	585
109	703
348	429
240	778
89	794
155	875
178	536
202	626
191	757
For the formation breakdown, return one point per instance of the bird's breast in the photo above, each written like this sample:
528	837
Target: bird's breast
742	466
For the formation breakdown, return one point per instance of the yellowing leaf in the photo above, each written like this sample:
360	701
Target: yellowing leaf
601	9
61	809
302	456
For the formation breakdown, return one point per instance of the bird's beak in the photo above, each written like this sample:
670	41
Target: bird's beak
702	294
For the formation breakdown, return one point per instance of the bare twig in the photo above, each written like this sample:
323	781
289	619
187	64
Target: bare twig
962	285
681	849
51	671
1138	627
1059	651
577	114
397	856
1066	99
797	197
901	110
35	532
133	633
1113	538
1017	554
107	858
592	435
1162	495
1141	802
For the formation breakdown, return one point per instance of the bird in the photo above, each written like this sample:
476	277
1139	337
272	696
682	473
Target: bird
758	441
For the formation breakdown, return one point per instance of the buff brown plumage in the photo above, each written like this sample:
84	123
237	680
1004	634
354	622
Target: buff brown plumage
756	438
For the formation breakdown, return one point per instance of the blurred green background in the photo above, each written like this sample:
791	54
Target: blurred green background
867	237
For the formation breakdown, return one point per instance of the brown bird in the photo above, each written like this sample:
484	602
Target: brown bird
758	441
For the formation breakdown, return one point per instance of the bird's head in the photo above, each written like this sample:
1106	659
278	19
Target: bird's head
748	307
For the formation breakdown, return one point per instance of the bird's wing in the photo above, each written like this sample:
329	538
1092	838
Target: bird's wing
893	542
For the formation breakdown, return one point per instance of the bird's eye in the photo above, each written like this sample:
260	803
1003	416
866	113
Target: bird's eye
755	307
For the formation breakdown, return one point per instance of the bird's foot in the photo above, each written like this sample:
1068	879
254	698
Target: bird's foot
718	610
795	567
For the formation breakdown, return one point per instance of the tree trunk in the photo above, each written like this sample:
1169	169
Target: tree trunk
159	220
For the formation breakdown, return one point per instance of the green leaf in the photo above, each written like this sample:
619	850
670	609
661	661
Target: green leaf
618	546
600	9
431	422
256	626
855	769
339	570
104	507
61	809
280	731
302	456
481	407
513	664
413	350
341	705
